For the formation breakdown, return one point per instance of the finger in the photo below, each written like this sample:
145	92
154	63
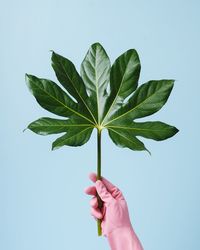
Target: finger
110	187
94	202
93	177
103	192
90	190
116	193
96	213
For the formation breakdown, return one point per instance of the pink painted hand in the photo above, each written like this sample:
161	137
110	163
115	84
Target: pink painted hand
116	224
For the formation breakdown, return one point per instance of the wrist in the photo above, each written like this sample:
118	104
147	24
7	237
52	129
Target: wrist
124	238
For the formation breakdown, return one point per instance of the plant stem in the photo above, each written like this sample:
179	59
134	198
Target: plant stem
100	203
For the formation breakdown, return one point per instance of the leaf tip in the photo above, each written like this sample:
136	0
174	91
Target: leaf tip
172	81
54	147
96	45
28	80
53	58
176	130
53	53
29	77
24	130
26	76
148	151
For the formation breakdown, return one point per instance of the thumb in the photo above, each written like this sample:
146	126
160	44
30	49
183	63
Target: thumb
103	192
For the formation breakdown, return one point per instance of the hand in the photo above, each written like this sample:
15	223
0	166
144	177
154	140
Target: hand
114	213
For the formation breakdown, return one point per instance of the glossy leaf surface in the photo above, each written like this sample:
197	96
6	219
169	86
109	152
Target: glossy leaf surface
102	97
95	71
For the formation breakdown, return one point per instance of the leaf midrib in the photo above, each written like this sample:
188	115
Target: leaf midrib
96	85
73	136
116	118
123	136
117	92
78	93
79	114
73	125
129	128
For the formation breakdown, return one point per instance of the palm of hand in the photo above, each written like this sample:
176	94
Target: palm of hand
115	215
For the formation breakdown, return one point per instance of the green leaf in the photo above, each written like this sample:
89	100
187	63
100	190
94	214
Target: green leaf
147	99
71	81
69	77
125	139
95	71
76	136
52	98
101	97
152	130
124	77
47	126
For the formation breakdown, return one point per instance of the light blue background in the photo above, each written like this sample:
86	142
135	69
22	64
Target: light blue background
42	204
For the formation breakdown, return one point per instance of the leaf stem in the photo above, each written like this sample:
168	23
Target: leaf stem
100	203
98	154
